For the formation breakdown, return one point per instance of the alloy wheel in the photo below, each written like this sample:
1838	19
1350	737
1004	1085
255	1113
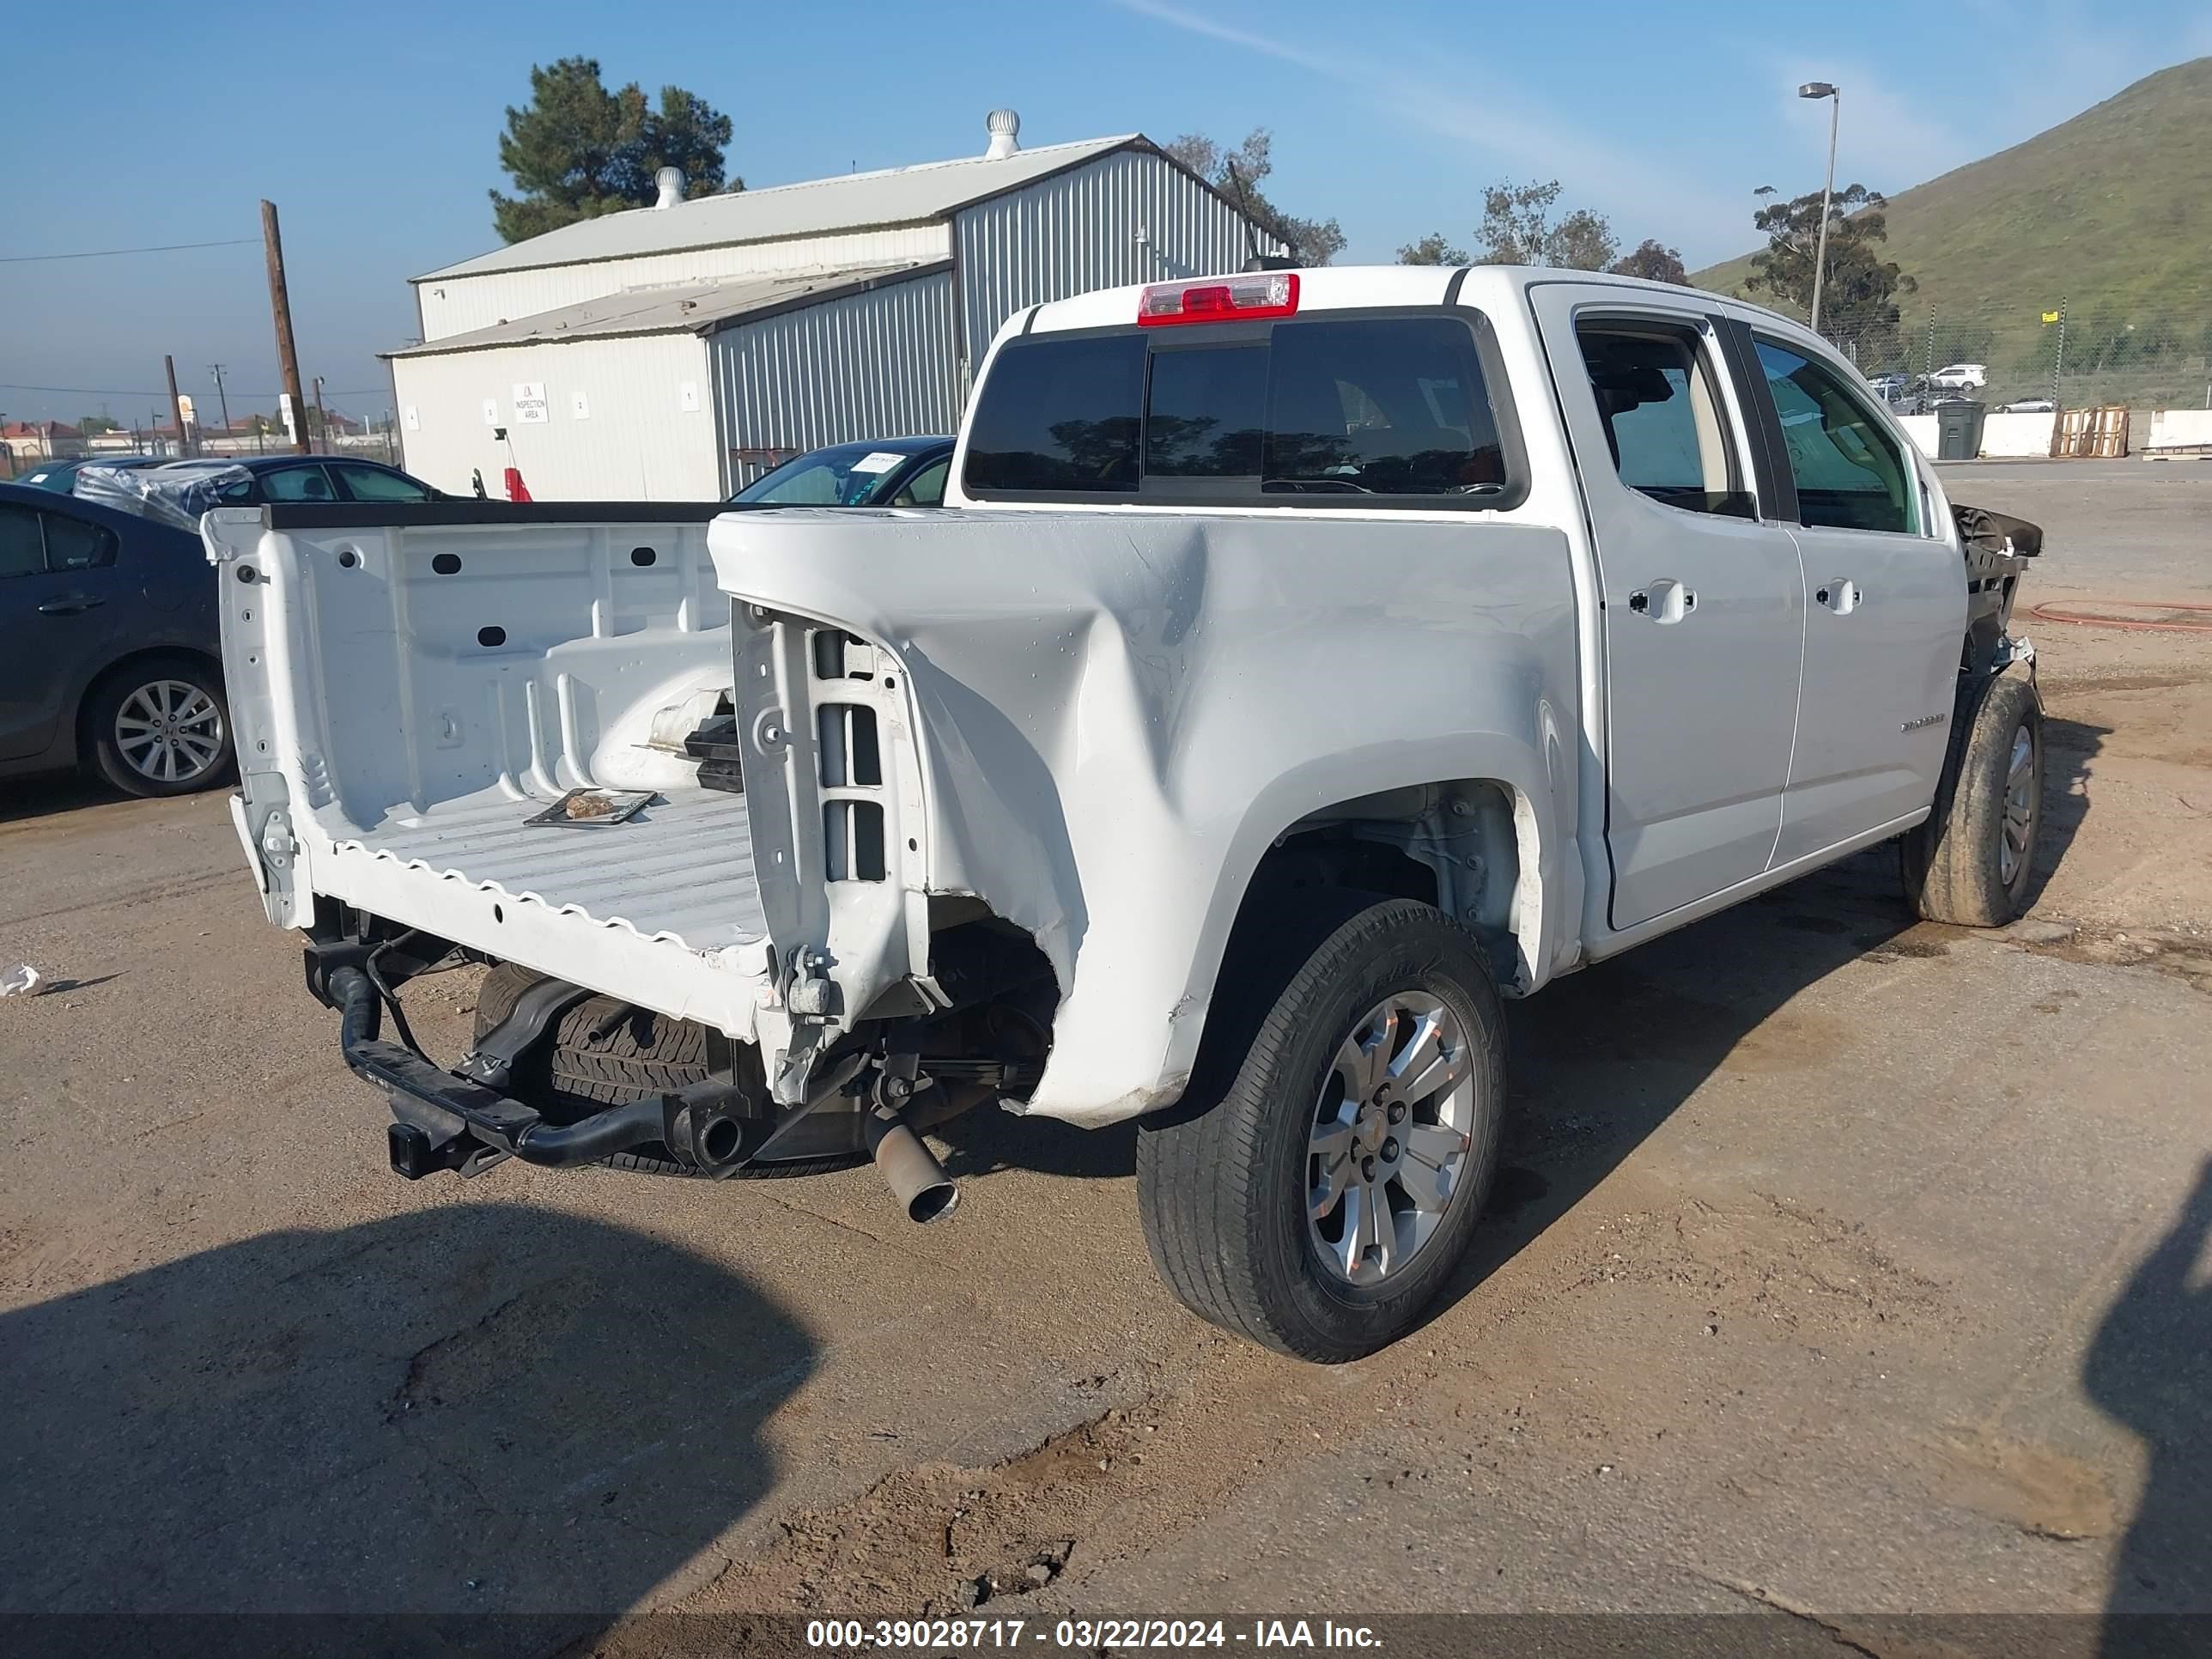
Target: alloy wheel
1391	1137
169	731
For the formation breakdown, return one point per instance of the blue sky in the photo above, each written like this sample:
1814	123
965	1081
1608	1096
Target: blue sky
376	130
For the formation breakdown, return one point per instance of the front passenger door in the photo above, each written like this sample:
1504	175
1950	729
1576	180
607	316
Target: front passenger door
1885	612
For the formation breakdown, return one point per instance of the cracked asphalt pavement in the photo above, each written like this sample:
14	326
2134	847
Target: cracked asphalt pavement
1841	1269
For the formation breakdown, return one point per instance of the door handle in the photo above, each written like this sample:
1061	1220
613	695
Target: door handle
1841	596
1665	601
70	605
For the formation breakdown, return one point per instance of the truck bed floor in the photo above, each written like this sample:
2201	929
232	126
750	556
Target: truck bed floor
682	869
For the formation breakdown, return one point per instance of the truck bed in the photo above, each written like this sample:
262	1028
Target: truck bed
408	695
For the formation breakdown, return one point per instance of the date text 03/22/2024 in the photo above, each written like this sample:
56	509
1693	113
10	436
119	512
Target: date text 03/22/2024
856	1636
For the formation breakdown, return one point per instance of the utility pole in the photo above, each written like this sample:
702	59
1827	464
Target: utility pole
279	304
321	419
176	406
222	398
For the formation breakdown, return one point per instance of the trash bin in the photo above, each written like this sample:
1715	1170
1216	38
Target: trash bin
1959	429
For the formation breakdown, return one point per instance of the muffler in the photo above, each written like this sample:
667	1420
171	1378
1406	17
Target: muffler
909	1169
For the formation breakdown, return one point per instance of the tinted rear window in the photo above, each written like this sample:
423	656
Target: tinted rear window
1060	415
1340	408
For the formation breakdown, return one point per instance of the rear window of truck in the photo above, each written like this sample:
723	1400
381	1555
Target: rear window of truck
1330	410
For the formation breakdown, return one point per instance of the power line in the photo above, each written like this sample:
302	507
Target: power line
126	392
115	253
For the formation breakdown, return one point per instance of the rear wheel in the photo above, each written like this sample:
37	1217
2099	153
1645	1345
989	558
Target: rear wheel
160	727
1317	1198
604	1053
1971	861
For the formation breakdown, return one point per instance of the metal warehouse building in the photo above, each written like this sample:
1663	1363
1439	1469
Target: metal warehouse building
673	352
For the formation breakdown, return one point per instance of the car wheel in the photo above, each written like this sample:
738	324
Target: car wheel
160	726
1971	862
1316	1198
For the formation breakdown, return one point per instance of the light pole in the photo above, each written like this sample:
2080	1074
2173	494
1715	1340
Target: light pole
1824	89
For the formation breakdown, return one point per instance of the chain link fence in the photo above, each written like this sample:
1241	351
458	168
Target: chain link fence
2075	353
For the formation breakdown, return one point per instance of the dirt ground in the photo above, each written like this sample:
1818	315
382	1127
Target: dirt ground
1845	1275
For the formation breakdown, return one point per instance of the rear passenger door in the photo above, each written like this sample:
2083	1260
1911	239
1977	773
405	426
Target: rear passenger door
1701	597
1885	608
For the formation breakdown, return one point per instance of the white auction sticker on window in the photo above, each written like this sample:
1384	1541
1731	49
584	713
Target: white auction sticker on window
879	460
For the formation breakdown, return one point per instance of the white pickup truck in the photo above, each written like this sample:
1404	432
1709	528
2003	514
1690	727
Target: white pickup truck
1306	660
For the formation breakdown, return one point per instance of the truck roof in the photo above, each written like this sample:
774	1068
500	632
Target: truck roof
1340	288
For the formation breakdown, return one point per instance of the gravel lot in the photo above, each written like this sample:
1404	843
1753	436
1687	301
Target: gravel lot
1843	1269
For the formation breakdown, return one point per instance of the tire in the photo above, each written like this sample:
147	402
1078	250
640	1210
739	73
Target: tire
1223	1180
1972	862
596	1056
159	726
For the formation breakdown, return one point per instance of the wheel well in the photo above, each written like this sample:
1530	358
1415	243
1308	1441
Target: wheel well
123	665
1454	844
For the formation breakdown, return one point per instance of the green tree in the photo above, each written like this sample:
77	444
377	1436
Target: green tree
1654	261
1432	250
578	150
1858	301
1517	230
1236	174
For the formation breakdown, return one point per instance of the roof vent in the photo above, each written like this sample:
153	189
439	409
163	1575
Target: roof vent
1005	127
670	182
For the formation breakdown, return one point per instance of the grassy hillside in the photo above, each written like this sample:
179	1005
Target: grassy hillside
2112	211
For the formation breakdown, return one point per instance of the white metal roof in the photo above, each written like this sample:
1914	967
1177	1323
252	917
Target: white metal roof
852	201
685	309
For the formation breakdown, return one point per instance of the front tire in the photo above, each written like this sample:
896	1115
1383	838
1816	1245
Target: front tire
1970	863
1317	1193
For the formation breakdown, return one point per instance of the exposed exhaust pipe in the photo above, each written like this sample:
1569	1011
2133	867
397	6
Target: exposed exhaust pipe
448	1100
909	1169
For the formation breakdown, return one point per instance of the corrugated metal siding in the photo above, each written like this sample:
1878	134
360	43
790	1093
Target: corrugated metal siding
1080	230
636	441
454	304
877	365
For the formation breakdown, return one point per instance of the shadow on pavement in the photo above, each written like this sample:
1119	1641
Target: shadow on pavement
989	1139
1599	1059
52	792
475	1409
2150	1368
2069	746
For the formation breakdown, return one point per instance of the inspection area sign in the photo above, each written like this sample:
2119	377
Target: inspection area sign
529	403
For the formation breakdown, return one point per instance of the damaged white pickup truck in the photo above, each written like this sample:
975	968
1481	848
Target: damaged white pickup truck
1310	658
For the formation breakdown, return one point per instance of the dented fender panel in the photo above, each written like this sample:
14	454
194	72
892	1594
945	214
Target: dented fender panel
1110	715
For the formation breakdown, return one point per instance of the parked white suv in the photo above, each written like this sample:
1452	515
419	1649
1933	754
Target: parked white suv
1960	377
1309	660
